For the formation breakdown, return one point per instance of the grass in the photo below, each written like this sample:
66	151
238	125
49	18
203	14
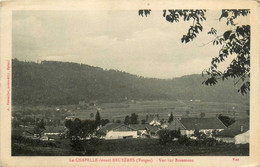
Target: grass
135	147
151	147
118	111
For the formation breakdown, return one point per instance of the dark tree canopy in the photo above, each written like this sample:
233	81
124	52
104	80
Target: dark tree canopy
98	118
127	120
39	127
202	114
235	43
134	118
170	118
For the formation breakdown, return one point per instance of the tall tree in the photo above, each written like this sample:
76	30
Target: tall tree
134	118
98	119
39	127
127	120
202	114
234	43
170	118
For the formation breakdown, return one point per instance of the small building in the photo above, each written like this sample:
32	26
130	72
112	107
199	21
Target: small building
145	130
154	120
117	131
242	138
187	126
70	118
54	130
237	133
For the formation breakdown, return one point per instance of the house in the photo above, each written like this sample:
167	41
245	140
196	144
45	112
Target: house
238	132
145	130
187	126
154	120
54	130
117	131
70	118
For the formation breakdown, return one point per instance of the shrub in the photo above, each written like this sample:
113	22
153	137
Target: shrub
166	136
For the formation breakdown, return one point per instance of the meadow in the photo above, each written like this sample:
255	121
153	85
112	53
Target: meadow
118	111
133	147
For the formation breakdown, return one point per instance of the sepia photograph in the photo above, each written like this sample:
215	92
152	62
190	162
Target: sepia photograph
129	83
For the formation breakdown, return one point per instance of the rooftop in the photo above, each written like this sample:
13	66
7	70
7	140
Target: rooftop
202	123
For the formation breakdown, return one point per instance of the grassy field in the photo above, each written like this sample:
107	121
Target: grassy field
118	111
136	147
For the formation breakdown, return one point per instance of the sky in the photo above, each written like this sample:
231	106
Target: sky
144	46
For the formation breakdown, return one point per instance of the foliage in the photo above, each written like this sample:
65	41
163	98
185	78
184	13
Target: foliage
187	113
104	121
234	42
134	118
202	114
80	128
83	147
54	83
166	136
98	119
33	142
170	118
39	127
199	135
127	120
227	121
91	115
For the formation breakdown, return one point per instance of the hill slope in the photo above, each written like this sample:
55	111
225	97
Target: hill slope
52	83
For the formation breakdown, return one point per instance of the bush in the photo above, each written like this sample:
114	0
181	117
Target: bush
166	136
184	140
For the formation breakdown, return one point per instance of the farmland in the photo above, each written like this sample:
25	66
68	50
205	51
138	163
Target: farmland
54	116
118	111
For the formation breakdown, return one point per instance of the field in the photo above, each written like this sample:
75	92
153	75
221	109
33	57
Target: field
136	147
118	111
55	116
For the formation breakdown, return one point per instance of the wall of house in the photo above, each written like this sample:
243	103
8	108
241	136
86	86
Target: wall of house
242	138
226	139
207	132
187	132
120	134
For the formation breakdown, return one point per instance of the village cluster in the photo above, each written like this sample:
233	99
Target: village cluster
76	129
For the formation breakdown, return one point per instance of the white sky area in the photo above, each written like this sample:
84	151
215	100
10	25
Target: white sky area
145	46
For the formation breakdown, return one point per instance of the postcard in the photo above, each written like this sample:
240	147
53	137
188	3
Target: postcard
129	83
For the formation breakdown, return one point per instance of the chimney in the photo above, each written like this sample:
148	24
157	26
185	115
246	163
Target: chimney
241	128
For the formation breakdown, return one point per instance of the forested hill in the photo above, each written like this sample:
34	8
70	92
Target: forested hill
53	83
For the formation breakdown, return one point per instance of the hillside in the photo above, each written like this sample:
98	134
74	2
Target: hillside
53	83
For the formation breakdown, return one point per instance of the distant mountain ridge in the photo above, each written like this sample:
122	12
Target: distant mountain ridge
57	83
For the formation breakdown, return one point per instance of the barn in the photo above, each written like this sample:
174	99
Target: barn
117	131
187	126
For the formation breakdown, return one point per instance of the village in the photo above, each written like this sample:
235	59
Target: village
170	129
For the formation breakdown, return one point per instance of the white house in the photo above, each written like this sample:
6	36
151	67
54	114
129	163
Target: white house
242	138
237	133
117	131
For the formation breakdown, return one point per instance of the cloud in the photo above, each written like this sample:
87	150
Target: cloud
146	46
